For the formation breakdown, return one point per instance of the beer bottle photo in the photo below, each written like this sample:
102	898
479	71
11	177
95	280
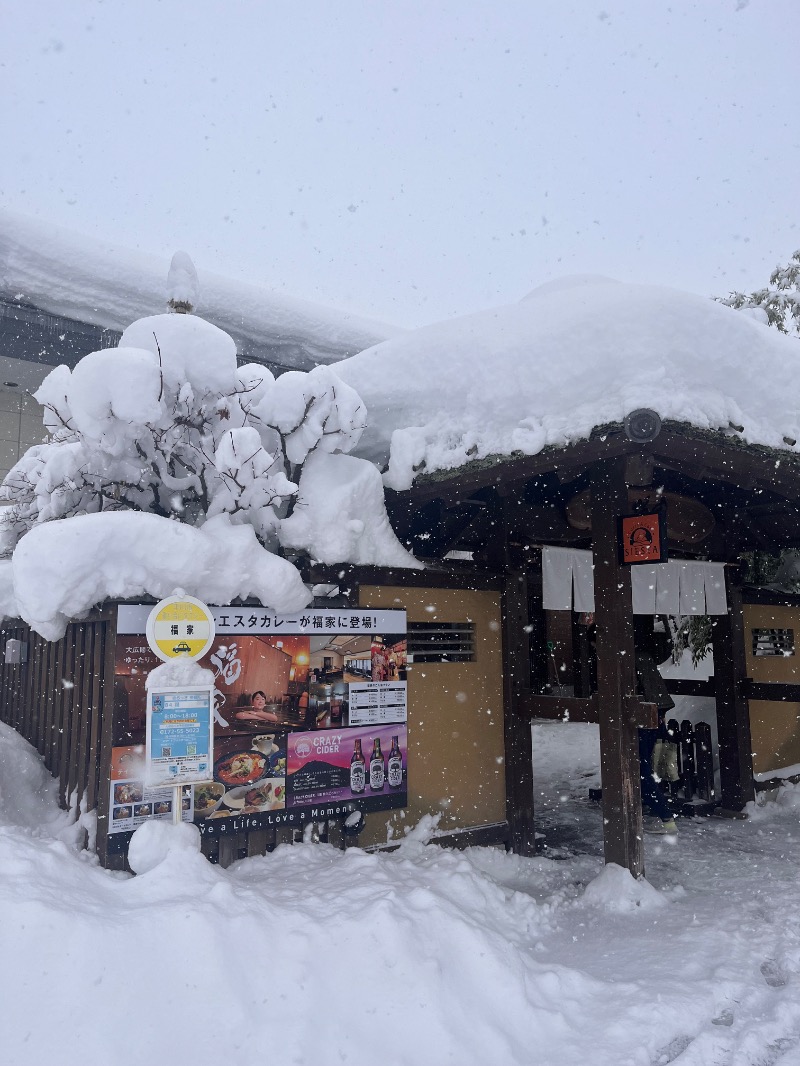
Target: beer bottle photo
358	769
395	766
377	767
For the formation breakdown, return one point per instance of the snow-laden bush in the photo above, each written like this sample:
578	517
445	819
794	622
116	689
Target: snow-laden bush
167	424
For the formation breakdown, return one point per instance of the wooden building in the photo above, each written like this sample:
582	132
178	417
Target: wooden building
484	516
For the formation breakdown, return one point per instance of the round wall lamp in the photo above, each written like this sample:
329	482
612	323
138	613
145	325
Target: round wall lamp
642	425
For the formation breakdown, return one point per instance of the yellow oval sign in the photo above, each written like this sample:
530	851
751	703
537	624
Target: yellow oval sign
180	626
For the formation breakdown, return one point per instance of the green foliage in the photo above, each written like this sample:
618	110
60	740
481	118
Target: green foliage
780	302
759	568
692	632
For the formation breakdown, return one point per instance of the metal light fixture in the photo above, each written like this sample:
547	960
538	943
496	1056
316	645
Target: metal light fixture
642	425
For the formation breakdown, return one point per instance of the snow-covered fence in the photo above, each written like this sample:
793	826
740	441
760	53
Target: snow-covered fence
52	692
59	695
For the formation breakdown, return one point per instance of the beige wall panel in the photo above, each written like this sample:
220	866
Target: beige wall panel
455	717
775	668
775	734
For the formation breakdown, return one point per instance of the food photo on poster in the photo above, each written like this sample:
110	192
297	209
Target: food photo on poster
284	691
132	802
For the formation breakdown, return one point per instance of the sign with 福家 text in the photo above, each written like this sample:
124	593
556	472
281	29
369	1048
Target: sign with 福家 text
180	626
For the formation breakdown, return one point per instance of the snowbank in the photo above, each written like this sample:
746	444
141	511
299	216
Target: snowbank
568	358
90	281
423	956
62	569
616	890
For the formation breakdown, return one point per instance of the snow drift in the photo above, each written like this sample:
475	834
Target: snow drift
62	569
432	957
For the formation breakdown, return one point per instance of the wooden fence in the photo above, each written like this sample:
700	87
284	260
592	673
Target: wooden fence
57	701
695	760
60	698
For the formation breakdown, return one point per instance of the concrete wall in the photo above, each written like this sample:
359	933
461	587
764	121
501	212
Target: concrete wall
20	426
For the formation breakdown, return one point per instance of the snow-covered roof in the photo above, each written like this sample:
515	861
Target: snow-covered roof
573	355
73	276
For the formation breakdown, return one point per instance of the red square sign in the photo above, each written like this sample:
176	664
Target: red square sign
643	538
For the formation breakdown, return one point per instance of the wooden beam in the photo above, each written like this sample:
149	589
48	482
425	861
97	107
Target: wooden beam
703	457
508	470
585	709
735	462
679	686
616	673
733	710
517	725
542	525
565	708
771	691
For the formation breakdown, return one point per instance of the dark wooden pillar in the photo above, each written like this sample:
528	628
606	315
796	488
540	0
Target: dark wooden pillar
517	724
733	710
616	673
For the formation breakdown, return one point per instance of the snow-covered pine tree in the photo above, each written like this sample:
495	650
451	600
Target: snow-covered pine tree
780	302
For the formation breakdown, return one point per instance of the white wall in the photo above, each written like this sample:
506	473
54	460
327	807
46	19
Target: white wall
20	426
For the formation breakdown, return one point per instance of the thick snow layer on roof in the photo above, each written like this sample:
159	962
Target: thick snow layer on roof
571	356
67	274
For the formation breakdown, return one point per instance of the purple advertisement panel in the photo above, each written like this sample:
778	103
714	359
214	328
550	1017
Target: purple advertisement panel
335	765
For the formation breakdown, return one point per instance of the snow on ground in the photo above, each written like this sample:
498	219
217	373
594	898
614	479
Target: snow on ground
422	956
575	354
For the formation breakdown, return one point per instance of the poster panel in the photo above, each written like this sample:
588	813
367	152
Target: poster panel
280	684
347	764
179	741
132	802
372	702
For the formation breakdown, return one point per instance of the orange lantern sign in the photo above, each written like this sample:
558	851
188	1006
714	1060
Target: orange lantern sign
643	538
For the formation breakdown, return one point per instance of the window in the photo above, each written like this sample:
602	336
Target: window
441	642
773	642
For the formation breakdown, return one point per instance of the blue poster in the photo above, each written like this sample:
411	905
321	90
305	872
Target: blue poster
179	736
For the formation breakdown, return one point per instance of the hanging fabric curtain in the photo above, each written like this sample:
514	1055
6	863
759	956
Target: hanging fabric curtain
679	587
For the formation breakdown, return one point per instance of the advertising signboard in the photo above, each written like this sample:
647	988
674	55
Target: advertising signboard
132	801
309	715
178	739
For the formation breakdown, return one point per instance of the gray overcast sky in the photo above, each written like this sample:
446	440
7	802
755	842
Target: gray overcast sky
416	160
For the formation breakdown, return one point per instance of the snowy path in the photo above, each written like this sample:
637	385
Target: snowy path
424	956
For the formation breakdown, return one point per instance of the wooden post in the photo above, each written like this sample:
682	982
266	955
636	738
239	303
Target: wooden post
733	709
517	726
106	739
616	673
